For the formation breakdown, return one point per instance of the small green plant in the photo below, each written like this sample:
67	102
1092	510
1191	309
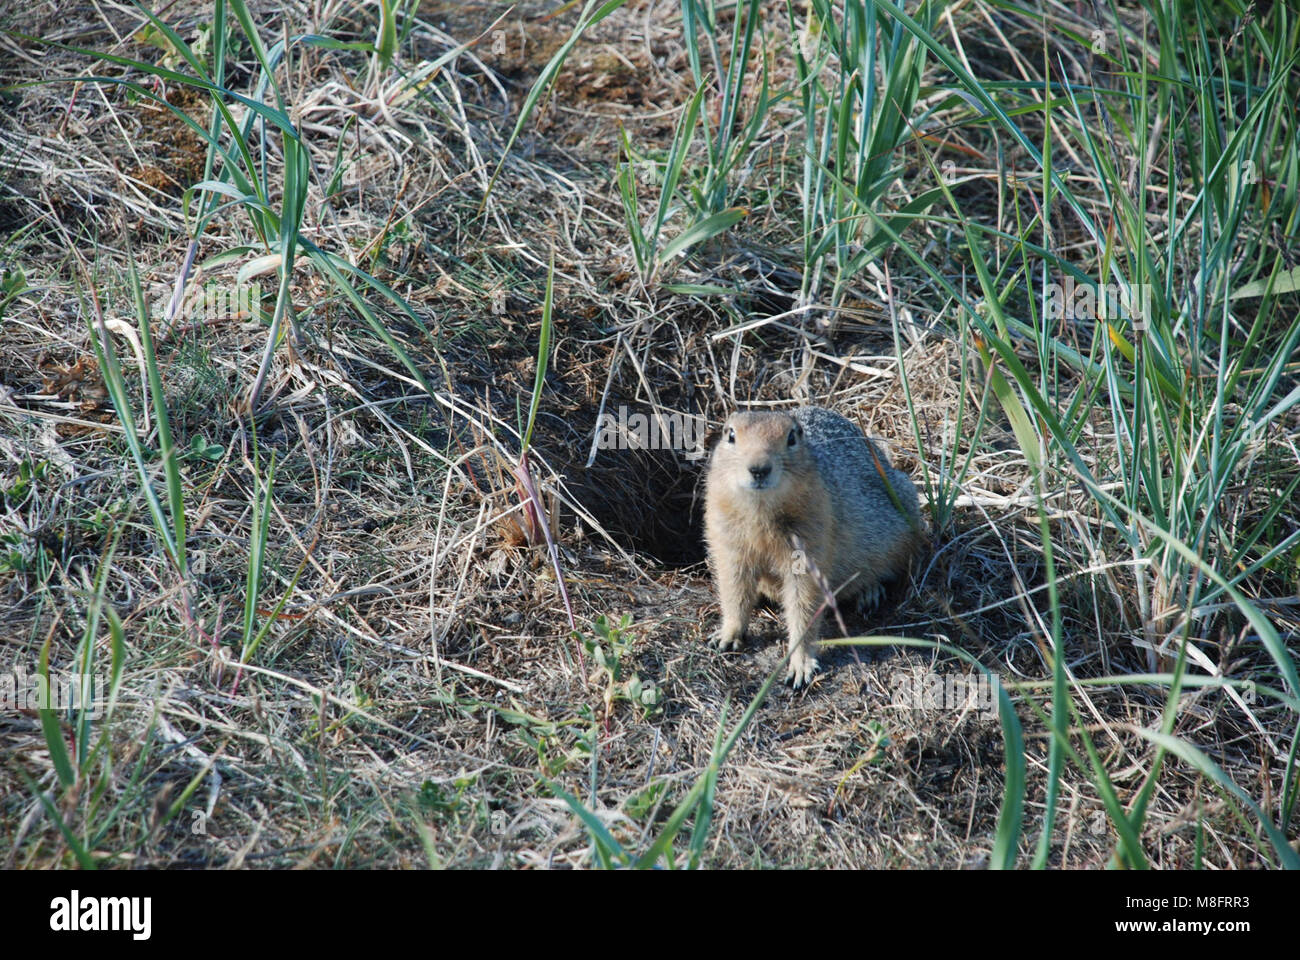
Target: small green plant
537	522
643	803
362	701
554	742
200	447
169	520
697	805
709	191
172	55
13	284
444	802
609	650
28	474
647	248
729	140
456	807
13	558
874	754
707	195
102	519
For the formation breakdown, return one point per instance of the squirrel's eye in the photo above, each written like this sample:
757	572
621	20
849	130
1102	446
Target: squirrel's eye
793	438
731	436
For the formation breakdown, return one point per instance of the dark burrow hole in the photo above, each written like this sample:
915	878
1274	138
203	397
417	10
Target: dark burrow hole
650	501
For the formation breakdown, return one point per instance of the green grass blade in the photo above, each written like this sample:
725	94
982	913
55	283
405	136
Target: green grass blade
1196	758
547	76
50	725
79	851
705	229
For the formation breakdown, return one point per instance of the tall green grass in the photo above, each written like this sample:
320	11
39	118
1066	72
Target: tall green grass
853	127
698	194
728	140
859	76
1191	384
1192	373
249	161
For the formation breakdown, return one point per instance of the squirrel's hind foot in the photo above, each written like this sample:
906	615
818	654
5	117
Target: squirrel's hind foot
870	598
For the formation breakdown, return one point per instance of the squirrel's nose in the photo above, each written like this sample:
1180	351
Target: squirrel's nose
760	473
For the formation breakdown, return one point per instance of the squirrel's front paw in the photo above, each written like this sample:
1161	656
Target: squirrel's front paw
729	638
801	669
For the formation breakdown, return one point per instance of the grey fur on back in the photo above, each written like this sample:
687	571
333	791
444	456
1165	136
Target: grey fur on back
870	521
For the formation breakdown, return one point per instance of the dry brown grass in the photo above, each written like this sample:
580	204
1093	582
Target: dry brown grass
421	675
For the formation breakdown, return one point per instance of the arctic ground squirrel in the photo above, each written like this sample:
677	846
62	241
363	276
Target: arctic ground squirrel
794	500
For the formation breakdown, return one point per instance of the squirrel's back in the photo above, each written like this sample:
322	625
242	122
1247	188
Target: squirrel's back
876	532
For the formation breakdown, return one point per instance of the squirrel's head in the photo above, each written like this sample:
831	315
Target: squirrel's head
760	452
